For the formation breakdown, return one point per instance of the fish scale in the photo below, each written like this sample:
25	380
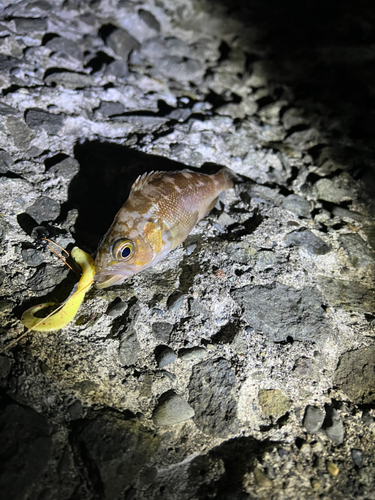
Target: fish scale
160	212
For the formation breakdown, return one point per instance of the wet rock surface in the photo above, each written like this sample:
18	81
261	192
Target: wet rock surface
241	366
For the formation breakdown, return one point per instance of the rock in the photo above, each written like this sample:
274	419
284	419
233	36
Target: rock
130	348
357	251
358	457
306	239
118	69
25	449
65	48
334	191
44	209
355	375
192	353
349	295
294	313
334	427
211	395
175	301
179	68
27	24
67	169
266	259
70	80
117	449
345	213
39	119
32	257
306	367
164	356
298	205
6	161
273	402
172	410
162	331
159	47
117	309
332	469
264	193
5	109
367	418
122	43
46	278
21	133
241	252
313	419
107	109
261	479
149	19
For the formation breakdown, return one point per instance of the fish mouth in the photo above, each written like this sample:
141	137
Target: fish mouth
111	276
102	280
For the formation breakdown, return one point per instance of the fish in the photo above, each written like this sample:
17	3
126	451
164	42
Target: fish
159	214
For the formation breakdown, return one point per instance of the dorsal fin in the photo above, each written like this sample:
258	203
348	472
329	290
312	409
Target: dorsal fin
145	179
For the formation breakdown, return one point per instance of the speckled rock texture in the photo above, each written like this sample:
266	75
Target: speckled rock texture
242	365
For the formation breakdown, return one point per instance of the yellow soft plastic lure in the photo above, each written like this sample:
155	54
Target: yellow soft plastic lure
68	311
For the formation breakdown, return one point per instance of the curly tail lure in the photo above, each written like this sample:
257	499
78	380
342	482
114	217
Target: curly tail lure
64	315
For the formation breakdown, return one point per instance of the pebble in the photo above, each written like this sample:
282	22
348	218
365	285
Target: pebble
117	309
40	119
273	402
107	109
44	209
129	347
172	409
162	331
32	257
305	238
67	168
175	301
192	353
70	80
356	249
20	132
149	19
6	161
313	419
335	431
332	469
357	457
122	43
165	357
262	480
298	205
64	47
332	191
295	313
355	375
367	418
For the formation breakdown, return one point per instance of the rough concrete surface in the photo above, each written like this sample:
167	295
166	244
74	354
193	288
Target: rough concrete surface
242	365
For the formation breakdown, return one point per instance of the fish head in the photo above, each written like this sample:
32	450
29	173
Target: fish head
121	256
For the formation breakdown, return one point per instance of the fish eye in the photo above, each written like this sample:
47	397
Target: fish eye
122	249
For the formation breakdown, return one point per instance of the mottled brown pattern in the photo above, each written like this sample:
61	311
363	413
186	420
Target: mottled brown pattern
162	209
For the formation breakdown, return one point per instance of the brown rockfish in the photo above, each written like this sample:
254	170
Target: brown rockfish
161	211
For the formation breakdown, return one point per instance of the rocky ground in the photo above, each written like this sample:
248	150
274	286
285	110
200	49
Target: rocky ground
241	366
